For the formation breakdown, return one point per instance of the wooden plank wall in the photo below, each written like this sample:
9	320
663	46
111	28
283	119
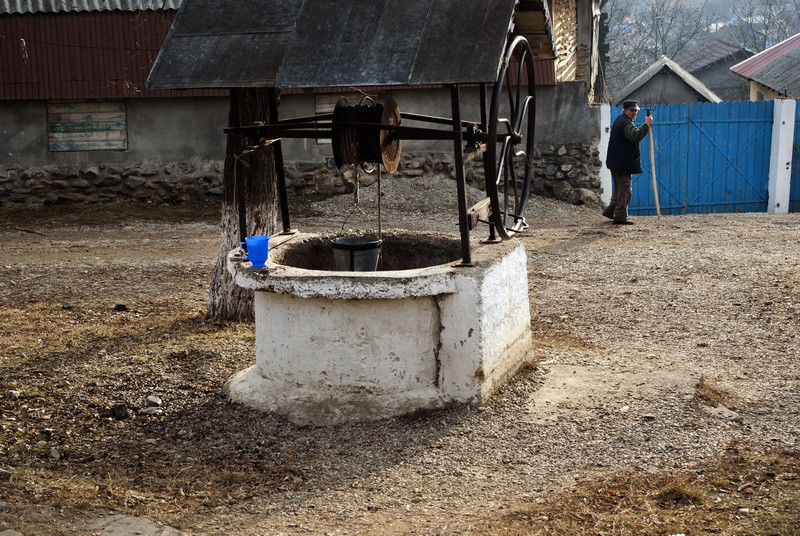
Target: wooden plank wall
87	126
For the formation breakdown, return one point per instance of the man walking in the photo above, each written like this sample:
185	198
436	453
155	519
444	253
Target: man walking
624	159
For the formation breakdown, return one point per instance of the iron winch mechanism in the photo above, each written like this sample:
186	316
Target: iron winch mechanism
370	132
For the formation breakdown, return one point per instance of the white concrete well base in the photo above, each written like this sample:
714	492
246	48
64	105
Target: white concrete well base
343	346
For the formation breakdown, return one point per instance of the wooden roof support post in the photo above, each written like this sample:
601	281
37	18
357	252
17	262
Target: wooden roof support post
461	183
280	173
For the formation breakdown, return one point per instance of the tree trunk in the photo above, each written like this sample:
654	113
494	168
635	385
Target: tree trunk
256	173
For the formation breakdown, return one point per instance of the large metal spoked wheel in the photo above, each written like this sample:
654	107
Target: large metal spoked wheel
509	146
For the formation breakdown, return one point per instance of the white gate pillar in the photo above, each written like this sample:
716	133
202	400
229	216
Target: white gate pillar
780	158
605	134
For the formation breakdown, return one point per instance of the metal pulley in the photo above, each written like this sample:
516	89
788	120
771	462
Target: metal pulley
355	141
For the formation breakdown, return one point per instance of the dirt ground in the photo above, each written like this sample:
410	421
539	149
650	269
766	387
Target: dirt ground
660	346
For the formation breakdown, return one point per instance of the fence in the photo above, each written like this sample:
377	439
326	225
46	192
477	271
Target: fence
717	157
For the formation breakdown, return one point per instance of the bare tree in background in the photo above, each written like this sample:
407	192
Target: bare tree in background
675	26
760	24
256	173
641	32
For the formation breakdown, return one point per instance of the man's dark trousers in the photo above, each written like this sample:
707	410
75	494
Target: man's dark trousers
620	196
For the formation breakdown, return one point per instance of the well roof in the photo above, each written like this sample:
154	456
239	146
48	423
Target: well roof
332	43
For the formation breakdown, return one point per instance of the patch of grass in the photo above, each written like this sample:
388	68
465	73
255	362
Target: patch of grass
708	392
741	493
680	491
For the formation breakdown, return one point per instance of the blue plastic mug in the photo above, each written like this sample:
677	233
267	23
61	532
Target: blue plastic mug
257	250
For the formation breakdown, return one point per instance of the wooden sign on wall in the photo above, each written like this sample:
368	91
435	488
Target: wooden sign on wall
87	126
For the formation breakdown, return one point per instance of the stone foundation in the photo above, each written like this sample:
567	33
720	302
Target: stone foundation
175	182
568	172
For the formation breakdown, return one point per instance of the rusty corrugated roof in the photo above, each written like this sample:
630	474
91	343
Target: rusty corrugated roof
336	43
82	55
12	7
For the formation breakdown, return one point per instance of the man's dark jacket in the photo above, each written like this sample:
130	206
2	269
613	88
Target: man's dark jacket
623	155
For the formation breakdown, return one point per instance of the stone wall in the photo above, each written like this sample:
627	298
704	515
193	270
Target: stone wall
568	172
175	182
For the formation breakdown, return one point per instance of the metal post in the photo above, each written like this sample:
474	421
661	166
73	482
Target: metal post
487	171
272	103
483	107
461	183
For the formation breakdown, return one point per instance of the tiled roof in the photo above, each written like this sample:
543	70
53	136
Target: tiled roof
778	67
11	7
709	54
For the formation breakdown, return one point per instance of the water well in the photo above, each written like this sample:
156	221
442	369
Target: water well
421	332
444	318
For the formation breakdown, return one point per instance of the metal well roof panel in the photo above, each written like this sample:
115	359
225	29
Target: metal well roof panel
58	6
335	43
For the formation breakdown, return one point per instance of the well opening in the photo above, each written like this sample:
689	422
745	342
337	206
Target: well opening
399	251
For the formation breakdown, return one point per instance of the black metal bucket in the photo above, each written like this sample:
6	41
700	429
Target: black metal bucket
356	254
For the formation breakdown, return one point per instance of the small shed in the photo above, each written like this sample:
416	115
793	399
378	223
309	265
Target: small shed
666	82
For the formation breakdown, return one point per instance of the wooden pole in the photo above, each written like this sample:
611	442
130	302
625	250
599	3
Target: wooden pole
653	169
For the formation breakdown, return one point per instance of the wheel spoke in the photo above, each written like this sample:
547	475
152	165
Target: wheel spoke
522	114
520	68
503	152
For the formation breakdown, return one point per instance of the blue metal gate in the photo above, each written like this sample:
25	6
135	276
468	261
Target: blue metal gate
710	157
794	192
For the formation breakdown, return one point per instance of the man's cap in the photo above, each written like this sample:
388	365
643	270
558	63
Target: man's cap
630	104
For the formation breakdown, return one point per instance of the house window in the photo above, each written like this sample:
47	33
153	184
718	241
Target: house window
87	126
759	96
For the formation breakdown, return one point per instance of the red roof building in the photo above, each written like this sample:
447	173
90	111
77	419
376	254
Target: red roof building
773	73
82	54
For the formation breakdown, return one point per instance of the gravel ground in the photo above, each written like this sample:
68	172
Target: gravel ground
631	326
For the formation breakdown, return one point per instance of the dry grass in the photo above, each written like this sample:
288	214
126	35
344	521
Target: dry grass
711	393
160	468
108	213
73	357
742	493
